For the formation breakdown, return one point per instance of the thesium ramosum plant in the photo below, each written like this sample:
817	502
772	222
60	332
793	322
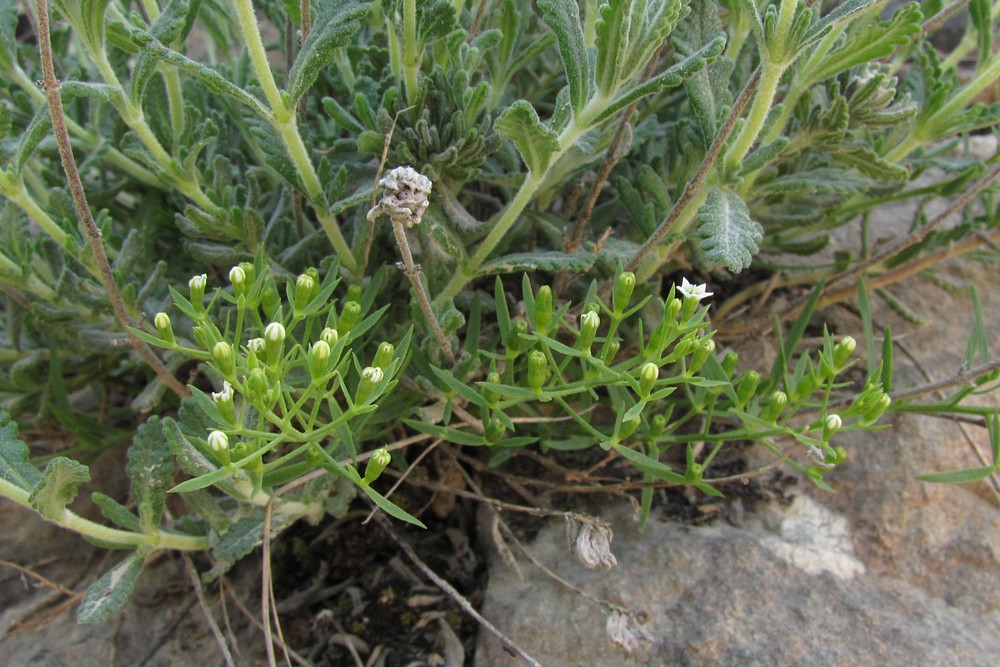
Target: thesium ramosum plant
290	244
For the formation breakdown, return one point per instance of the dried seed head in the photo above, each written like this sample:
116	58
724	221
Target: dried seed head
590	541
404	196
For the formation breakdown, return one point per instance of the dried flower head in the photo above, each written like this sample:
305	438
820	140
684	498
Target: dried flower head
590	540
625	631
404	196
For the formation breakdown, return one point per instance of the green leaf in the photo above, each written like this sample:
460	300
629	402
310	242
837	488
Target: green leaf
150	468
57	487
113	510
172	26
8	34
673	77
108	595
536	143
445	433
549	260
730	236
14	465
649	465
627	35
87	17
872	41
37	130
764	154
563	17
459	387
336	22
821	180
869	163
391	508
964	476
846	12
193	461
982	21
240	539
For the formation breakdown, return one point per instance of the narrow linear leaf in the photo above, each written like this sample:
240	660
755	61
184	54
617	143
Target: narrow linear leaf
392	508
108	595
445	433
964	476
551	260
649	465
58	486
730	236
114	511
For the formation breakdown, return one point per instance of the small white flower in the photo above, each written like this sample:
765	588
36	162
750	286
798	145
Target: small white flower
698	292
225	395
329	336
275	332
372	374
218	441
256	345
198	282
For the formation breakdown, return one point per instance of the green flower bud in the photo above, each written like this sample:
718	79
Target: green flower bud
878	408
163	327
384	355
843	350
628	427
319	359
305	290
257	386
354	292
701	354
242	450
672	309
542	311
610	351
270	300
196	291
656	425
538	371
622	293
515	344
649	373
238	278
773	410
249	270
348	317
222	354
494	431
380	458
370	377
694	473
729	363
274	341
839	456
224	401
747	388
491	395
806	385
218	442
314	458
329	336
590	322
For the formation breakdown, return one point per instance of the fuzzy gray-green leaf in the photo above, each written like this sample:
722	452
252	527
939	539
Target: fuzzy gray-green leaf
535	142
150	468
240	539
563	17
14	465
57	487
108	595
336	22
730	236
823	179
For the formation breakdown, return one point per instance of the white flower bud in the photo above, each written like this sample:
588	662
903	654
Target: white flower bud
237	276
321	350
329	336
256	345
833	422
198	282
274	332
372	374
218	441
162	321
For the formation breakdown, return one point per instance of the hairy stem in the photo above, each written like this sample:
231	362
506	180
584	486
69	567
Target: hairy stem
52	94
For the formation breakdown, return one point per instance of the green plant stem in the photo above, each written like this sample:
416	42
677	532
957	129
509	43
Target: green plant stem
928	129
52	94
283	118
91	141
770	78
14	190
160	539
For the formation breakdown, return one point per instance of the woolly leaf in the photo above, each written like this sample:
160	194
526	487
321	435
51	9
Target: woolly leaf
14	465
57	487
563	17
335	24
552	260
240	539
150	468
730	236
627	35
873	41
823	180
108	595
113	510
535	142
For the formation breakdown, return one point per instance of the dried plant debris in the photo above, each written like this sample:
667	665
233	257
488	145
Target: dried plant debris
590	540
404	196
